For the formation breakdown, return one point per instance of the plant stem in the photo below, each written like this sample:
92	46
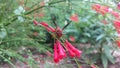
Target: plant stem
77	62
66	24
8	61
42	7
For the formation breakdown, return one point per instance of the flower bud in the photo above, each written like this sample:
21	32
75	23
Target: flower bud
35	22
44	24
58	32
56	59
50	29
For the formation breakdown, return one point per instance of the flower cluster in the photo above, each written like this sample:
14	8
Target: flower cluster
59	48
117	27
59	51
100	9
103	10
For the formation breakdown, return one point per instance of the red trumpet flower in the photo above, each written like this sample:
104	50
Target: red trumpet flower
72	38
50	29
56	59
70	48
60	50
117	26
96	7
35	22
118	43
74	18
44	24
103	10
115	14
100	9
71	53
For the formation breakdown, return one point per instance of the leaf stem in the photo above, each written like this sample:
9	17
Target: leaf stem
77	62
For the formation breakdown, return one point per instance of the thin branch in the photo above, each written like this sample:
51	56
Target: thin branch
35	9
68	23
43	6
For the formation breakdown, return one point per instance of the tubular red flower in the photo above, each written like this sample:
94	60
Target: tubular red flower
74	18
96	7
117	26
76	51
35	22
118	43
50	29
115	14
60	50
56	59
72	38
93	66
103	10
100	9
44	24
71	53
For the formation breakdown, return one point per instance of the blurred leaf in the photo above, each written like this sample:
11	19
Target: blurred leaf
108	54
2	33
104	60
100	37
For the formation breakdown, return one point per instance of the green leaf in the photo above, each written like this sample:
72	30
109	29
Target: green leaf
104	60
3	33
100	37
108	54
87	34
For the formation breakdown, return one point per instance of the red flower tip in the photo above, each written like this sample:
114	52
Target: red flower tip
72	38
117	26
93	66
60	50
35	22
71	53
44	24
74	18
118	6
78	53
56	59
70	48
117	23
103	10
115	14
96	7
100	9
50	29
118	43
